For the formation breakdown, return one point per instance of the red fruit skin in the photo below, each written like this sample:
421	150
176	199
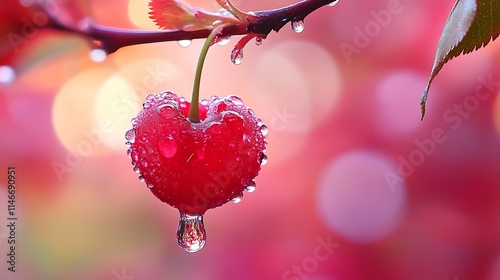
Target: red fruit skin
196	166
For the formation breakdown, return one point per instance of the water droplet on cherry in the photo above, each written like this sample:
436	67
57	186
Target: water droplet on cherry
136	169
141	178
184	43
167	146
333	3
250	187
236	100
144	163
237	56
223	41
298	26
98	55
146	104
7	74
149	185
191	234
167	111
263	159
130	136
264	130
237	199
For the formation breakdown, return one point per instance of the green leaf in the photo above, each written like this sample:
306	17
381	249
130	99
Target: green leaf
471	25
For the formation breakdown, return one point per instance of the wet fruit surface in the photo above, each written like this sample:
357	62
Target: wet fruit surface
197	166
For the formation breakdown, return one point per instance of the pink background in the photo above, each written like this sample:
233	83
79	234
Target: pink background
350	162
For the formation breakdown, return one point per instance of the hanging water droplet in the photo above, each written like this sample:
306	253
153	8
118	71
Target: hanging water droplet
298	26
130	136
98	55
150	186
7	74
191	234
167	146
223	41
333	3
237	199
258	41
237	56
129	153
136	169
184	43
263	159
264	130
146	104
141	178
250	187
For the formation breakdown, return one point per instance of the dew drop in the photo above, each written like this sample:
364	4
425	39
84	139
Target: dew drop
184	43
141	178
167	146
258	41
333	3
236	100
146	104
191	234
263	159
136	169
150	96
129	153
7	74
250	187
134	122
264	130
150	186
167	111
223	41
237	56
144	163
298	26
130	136
98	55
237	199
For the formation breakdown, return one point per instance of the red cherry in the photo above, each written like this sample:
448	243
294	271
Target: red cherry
196	166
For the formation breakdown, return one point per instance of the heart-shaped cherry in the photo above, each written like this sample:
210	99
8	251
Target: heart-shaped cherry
196	166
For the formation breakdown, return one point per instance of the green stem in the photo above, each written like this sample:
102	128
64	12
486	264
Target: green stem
194	114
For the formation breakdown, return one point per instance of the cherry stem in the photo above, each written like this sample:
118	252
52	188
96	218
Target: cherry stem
194	114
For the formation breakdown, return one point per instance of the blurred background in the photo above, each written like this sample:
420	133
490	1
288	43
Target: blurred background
356	186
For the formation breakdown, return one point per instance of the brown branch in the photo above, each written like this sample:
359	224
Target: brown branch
111	39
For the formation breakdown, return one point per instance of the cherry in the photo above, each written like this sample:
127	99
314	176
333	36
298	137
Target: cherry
196	156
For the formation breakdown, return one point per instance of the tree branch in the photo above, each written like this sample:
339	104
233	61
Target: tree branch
111	39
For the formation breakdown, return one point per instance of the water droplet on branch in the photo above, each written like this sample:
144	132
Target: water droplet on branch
184	43
237	56
191	234
223	41
98	55
298	26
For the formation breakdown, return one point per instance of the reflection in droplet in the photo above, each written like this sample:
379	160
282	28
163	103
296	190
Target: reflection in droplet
223	41
7	74
98	55
191	234
263	159
184	43
333	3
250	187
167	146
258	41
237	56
130	136
264	130
298	26
236	199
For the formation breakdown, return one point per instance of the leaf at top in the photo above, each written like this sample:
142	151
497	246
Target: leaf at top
471	25
175	15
